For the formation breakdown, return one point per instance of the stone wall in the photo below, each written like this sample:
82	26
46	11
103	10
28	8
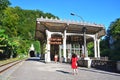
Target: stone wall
112	66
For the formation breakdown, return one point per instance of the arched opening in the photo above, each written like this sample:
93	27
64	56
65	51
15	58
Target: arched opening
32	53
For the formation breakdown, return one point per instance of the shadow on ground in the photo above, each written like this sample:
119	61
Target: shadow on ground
65	72
33	59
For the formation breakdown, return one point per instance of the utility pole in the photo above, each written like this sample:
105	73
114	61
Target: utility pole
84	33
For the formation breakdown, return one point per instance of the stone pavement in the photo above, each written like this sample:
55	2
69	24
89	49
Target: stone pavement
33	69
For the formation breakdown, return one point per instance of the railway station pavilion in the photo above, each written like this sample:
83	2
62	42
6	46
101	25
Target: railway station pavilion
65	37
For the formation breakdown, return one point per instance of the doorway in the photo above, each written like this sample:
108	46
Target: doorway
55	41
54	51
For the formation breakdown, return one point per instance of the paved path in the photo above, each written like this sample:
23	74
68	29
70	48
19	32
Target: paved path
33	69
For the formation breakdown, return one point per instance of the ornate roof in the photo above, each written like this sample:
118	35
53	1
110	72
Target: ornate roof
56	25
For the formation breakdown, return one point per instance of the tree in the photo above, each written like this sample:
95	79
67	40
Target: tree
115	36
110	45
115	29
10	21
19	26
90	47
4	4
3	44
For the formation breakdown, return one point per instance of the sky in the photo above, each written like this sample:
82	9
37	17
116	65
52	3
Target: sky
93	11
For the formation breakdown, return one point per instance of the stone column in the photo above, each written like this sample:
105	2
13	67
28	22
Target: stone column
47	55
60	53
98	45
95	48
84	36
64	47
82	49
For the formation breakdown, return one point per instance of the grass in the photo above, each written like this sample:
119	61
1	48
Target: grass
2	62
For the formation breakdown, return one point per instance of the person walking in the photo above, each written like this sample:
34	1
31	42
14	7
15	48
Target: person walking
74	64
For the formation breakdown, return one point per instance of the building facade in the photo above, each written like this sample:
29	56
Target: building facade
64	37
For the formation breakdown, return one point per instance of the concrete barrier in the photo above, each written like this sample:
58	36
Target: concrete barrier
85	63
118	65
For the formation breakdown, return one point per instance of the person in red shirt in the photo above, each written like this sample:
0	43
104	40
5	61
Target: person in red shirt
74	64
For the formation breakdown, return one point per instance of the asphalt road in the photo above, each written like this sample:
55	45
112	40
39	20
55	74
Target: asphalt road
34	69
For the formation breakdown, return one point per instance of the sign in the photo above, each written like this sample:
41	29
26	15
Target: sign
55	40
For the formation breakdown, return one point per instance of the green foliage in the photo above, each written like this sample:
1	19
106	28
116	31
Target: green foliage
90	47
4	4
110	45
105	52
3	44
115	36
3	38
115	29
17	29
10	21
115	53
43	48
37	46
